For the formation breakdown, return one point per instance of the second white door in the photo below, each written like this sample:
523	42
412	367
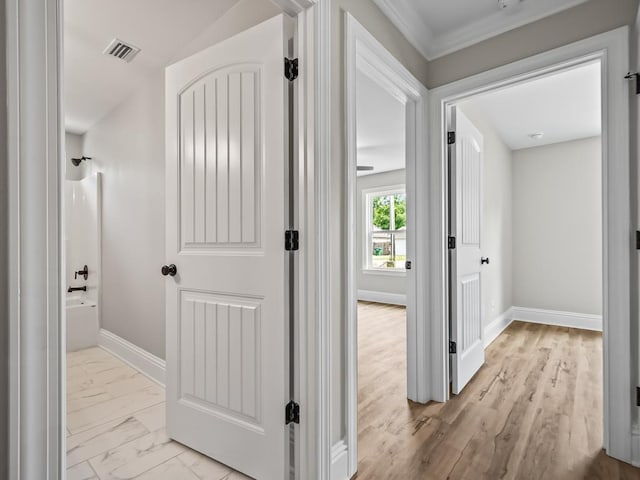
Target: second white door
466	331
227	315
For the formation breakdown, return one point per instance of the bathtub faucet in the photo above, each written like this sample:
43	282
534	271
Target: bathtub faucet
83	273
77	289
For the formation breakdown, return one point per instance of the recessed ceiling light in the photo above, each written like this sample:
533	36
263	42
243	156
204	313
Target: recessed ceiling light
536	136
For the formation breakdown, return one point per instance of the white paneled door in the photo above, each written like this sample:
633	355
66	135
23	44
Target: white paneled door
466	332
227	320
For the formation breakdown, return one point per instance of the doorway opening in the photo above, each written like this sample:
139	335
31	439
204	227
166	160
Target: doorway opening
526	266
385	113
382	230
610	49
179	184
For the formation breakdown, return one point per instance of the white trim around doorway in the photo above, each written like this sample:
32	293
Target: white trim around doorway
612	50
366	54
36	318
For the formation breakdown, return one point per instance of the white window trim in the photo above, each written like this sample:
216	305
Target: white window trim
367	196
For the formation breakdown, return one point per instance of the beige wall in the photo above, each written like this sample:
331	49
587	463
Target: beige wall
373	20
128	147
557	227
497	217
378	281
577	23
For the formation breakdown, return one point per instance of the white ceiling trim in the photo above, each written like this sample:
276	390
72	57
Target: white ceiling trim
293	7
431	47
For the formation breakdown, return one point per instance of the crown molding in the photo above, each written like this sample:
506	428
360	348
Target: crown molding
409	23
294	7
431	46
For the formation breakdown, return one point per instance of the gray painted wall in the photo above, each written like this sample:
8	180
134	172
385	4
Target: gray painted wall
128	147
577	23
497	220
378	281
4	264
557	227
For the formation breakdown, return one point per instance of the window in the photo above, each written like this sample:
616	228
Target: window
386	219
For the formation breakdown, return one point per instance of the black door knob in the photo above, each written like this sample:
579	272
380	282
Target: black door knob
170	270
484	260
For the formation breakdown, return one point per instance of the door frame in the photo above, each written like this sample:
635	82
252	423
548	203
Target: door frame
366	54
612	49
35	143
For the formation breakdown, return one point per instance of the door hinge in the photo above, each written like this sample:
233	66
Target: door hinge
291	68
292	413
451	243
637	396
407	265
634	76
451	138
453	347
637	239
291	242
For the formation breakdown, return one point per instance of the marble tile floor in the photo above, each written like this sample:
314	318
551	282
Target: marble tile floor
116	426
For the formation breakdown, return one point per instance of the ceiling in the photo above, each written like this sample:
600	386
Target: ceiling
564	106
94	83
380	127
437	27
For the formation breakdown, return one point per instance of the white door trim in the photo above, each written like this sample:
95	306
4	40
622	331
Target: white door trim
36	332
36	319
318	368
365	53
612	49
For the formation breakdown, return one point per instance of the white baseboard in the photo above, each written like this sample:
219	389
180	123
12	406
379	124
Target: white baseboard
382	297
635	447
497	326
561	319
340	461
143	361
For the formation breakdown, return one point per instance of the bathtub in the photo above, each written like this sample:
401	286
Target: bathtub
82	323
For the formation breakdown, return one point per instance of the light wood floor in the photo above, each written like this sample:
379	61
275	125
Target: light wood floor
115	426
534	411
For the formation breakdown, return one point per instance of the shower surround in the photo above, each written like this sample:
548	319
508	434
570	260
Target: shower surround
82	249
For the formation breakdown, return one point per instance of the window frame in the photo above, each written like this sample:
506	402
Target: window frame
367	210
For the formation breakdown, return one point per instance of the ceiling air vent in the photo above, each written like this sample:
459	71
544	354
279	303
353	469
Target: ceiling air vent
122	50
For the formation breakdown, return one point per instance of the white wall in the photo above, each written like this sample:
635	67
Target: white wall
557	227
73	145
496	235
394	283
128	147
